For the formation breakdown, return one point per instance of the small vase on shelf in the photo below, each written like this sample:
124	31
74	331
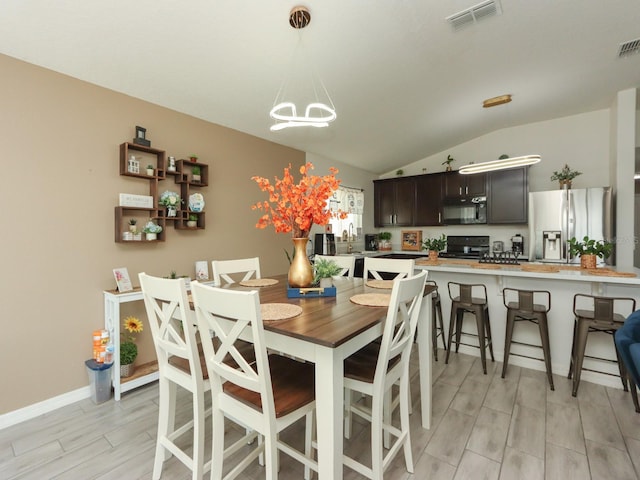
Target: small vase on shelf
171	211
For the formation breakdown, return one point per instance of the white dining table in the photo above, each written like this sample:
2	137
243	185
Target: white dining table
328	330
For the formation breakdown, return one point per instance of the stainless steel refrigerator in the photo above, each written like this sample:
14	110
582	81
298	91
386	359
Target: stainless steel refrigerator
556	216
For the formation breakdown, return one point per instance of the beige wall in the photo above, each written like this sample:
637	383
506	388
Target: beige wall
60	184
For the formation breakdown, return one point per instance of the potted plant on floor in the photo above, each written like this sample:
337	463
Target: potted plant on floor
384	241
434	245
323	271
589	250
565	176
128	347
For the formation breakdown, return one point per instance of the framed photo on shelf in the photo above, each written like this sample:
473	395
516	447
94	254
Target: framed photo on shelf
412	240
122	279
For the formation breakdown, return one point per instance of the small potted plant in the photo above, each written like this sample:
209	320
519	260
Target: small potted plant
150	170
323	271
171	200
128	348
195	173
448	162
565	176
384	241
132	225
193	157
434	245
192	222
589	250
151	230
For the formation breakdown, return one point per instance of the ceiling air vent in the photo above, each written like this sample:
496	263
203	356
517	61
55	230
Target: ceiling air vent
629	48
472	14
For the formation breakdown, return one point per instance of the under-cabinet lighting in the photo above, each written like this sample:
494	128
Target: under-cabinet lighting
499	164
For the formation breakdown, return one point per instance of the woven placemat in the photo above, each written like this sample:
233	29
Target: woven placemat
372	299
258	282
606	272
385	284
279	311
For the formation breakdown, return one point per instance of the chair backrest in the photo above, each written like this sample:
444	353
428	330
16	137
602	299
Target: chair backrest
375	267
527	300
346	262
467	293
603	309
626	337
222	268
400	324
435	294
232	316
173	328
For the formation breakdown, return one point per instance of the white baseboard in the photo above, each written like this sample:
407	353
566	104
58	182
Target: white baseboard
32	411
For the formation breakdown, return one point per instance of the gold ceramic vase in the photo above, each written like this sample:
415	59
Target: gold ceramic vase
300	271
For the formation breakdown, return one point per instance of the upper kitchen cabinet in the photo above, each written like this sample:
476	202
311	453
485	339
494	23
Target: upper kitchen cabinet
508	195
429	199
395	202
457	185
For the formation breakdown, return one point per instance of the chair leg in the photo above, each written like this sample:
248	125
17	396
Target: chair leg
434	330
573	350
404	421
580	346
166	420
441	320
507	341
481	339
459	319
197	459
488	326
309	435
386	416
634	395
546	348
621	367
217	441
452	322
377	453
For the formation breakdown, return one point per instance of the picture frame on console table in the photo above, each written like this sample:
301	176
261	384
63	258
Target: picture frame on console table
412	240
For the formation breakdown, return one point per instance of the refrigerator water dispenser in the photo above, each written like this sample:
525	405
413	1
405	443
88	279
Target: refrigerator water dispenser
551	246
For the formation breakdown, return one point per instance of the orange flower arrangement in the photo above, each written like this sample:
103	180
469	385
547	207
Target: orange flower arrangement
296	207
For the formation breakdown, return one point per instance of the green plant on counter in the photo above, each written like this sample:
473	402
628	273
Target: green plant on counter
436	244
324	268
589	246
385	236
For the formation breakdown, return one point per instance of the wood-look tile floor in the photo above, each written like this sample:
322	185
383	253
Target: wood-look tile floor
484	427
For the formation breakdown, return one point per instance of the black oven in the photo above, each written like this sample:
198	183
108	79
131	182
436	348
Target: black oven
464	211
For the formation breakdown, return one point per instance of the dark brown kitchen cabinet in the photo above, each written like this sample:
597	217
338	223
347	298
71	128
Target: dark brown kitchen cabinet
508	196
429	200
395	202
457	185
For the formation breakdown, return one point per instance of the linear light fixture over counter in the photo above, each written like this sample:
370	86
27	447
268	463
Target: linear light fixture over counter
495	101
501	164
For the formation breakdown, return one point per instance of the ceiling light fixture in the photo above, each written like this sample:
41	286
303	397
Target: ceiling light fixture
317	113
495	101
501	164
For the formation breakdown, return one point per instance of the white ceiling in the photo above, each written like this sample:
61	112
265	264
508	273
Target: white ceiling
405	84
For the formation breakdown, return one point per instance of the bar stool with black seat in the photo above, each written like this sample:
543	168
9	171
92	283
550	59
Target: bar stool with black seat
530	306
437	321
470	298
597	315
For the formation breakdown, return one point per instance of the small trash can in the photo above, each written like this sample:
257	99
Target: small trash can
99	380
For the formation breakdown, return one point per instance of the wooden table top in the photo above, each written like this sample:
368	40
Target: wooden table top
328	321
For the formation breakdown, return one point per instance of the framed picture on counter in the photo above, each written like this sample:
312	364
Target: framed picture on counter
412	240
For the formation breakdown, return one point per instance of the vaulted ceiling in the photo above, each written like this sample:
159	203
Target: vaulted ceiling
406	84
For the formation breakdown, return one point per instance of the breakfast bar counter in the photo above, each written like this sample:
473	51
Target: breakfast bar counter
563	282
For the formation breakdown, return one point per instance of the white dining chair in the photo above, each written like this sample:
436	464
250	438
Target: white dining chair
222	269
375	369
173	329
346	262
375	267
266	395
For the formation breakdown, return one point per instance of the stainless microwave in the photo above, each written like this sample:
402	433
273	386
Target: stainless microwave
464	211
